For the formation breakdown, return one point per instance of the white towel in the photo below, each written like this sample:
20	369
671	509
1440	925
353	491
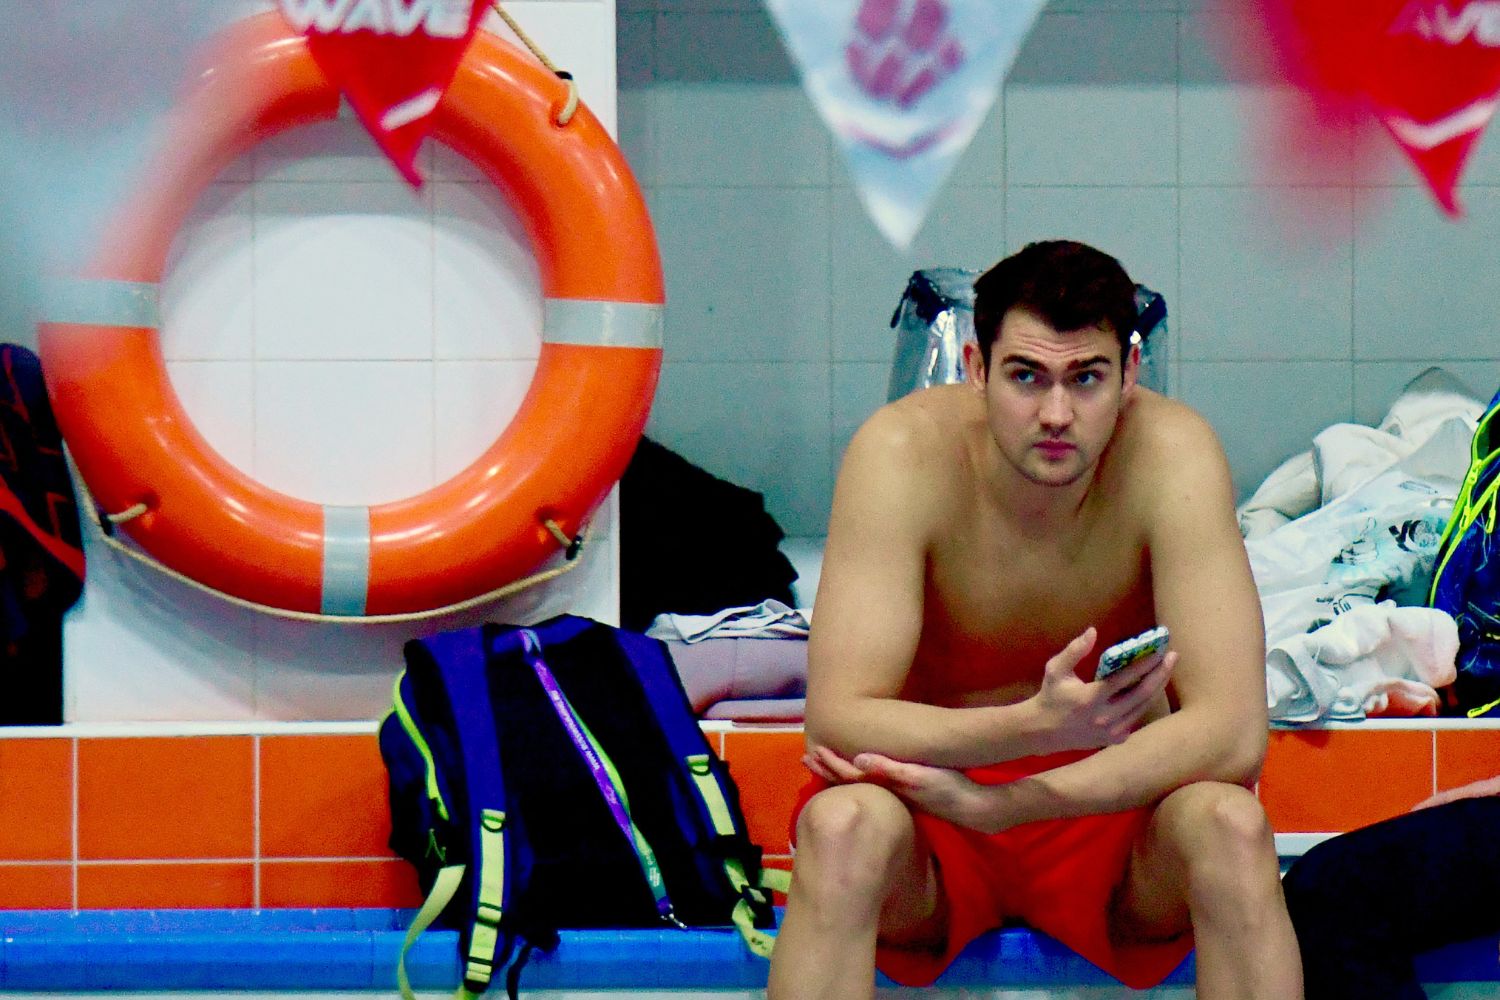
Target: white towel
1376	659
766	620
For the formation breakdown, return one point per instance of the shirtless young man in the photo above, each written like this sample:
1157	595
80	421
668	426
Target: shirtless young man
988	539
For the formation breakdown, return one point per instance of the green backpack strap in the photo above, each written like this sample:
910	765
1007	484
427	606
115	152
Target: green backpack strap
443	888
712	794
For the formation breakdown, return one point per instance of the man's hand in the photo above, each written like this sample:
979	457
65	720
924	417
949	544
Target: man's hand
944	793
1084	715
1474	790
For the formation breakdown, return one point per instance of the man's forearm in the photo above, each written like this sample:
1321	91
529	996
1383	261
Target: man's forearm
1157	759
928	734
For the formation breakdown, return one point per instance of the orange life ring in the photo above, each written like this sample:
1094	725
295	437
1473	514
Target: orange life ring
568	444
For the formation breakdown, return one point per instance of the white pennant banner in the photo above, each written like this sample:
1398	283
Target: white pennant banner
903	85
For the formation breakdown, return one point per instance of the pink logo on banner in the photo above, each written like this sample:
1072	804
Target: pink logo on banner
1429	70
392	59
901	51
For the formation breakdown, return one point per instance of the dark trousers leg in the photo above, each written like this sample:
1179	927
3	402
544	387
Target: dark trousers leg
1364	904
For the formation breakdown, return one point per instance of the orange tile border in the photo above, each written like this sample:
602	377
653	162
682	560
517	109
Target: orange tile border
1318	781
1466	755
166	886
767	767
323	796
166	797
36	801
339	884
36	887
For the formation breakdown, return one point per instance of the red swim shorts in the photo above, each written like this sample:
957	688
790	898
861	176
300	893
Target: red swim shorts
1057	876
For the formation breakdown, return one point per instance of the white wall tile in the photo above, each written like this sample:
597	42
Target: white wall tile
1265	412
635	46
746	272
342	271
965	229
859	389
1090	135
983	162
335	150
143	647
475	403
764	426
1241	135
638	133
1092	99
732	134
1377	384
723	46
1426	286
487	298
206	300
219	397
1253	287
351	432
307	670
1136	225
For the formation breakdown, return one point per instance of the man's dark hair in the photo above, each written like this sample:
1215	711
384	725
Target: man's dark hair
1067	285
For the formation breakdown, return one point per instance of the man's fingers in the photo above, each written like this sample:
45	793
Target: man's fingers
1126	706
1066	661
838	767
811	763
1133	674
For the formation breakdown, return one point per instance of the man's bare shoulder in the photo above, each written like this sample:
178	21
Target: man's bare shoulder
1168	450
914	448
924	431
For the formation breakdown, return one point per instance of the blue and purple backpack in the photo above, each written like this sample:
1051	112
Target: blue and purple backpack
555	777
1466	581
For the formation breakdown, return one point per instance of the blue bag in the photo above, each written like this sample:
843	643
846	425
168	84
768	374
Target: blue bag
1466	582
555	777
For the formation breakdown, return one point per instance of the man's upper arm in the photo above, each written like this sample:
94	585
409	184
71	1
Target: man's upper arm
868	614
1205	594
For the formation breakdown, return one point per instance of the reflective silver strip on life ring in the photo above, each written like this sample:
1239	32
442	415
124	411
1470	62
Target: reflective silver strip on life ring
593	323
101	302
346	560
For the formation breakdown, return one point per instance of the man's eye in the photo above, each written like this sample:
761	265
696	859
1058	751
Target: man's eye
1023	376
1087	378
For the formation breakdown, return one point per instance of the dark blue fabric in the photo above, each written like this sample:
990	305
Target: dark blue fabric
1365	904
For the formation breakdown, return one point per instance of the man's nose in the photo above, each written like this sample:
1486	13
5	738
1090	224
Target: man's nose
1057	407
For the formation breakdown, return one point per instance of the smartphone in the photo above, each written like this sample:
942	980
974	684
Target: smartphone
1123	654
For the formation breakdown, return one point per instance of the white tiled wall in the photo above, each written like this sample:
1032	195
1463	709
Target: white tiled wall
344	339
1302	291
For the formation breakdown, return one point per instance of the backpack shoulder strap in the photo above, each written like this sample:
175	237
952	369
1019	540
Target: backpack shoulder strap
458	660
674	715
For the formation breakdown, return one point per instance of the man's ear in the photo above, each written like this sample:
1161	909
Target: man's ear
973	365
1132	370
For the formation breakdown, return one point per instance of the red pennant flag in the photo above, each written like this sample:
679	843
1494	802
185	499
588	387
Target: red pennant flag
392	59
1428	69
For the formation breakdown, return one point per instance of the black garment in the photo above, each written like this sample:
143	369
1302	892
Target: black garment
36	586
1366	903
691	543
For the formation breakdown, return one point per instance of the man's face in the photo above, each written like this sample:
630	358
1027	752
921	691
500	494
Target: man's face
1052	398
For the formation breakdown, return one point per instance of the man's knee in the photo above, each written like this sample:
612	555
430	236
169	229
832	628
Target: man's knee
853	837
1221	834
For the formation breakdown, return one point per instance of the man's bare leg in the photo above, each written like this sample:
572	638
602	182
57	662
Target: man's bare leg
1208	857
861	872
